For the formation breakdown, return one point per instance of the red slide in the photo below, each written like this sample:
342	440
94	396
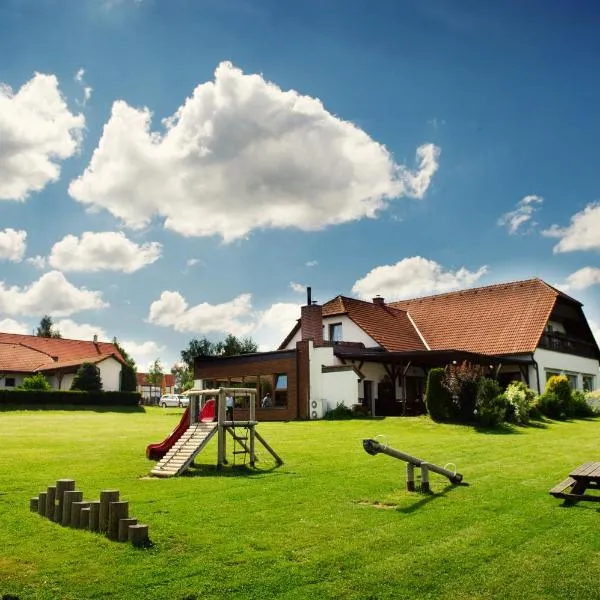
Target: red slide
157	451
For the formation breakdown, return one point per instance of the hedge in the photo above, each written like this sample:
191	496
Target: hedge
38	398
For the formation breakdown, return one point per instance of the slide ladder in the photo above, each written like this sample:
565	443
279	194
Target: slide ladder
183	452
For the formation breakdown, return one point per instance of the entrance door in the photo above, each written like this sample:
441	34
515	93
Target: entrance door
368	395
414	396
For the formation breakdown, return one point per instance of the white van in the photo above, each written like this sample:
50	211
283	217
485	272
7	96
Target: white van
170	400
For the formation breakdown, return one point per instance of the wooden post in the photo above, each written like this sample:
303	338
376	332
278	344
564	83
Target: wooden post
116	511
33	504
425	478
252	416
221	448
42	504
410	477
76	507
94	523
138	535
62	485
69	497
268	448
50	502
106	497
84	517
124	525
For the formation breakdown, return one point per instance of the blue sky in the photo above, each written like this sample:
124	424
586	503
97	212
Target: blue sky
184	168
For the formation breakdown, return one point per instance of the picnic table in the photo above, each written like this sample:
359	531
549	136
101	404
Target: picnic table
573	488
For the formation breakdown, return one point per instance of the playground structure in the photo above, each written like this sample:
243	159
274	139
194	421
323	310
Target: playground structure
206	416
373	447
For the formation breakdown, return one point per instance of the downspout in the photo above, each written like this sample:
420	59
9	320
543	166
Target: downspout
537	373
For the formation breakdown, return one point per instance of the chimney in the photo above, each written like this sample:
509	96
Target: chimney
379	300
95	339
311	320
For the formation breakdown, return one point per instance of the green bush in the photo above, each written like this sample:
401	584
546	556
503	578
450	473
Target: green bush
87	378
593	401
551	406
23	399
35	382
559	401
462	381
580	406
437	399
520	401
338	413
490	405
128	379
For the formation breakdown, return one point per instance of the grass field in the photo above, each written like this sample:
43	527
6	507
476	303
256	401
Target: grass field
332	522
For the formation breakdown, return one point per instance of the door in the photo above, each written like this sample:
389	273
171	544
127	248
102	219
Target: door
368	395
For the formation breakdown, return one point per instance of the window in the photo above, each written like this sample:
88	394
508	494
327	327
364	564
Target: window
572	377
280	396
335	332
588	383
9	382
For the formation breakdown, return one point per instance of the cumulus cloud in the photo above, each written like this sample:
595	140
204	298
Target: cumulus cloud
144	353
12	326
37	261
595	327
87	90
50	294
241	154
12	244
104	251
413	277
582	234
312	263
267	327
37	132
297	287
80	331
524	211
581	279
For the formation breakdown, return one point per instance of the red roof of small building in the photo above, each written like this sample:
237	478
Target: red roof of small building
28	353
143	379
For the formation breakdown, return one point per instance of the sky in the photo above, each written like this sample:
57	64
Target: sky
172	169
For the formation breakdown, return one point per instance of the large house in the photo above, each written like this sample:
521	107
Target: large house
377	354
58	359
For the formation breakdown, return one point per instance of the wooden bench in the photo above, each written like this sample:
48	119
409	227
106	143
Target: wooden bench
557	490
579	480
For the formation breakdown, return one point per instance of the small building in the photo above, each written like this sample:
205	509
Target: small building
151	393
377	354
58	359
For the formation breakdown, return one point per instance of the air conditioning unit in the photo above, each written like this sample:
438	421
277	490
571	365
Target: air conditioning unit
317	408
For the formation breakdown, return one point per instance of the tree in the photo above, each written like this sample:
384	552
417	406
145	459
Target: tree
156	375
203	347
87	378
462	381
35	382
184	377
46	328
128	359
128	378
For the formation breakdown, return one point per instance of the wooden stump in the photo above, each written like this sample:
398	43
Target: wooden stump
116	511
62	485
42	504
33	504
106	497
425	489
94	524
69	497
50	502
138	535
410	477
124	525
84	517
76	512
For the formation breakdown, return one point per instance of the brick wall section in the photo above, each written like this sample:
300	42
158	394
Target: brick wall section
311	319
303	366
255	365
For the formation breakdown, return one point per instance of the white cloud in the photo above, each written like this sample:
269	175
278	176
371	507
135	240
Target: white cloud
267	327
312	263
582	234
12	326
144	353
87	90
12	244
241	154
413	277
595	327
80	331
514	219
37	261
298	287
37	132
191	262
104	251
581	279
51	294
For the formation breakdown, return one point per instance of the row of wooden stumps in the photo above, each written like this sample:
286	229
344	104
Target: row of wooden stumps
63	504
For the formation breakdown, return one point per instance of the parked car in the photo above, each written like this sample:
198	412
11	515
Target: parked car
184	401
172	400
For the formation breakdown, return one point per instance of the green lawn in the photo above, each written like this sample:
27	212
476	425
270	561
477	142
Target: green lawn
332	522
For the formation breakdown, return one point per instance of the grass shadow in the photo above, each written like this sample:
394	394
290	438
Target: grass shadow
502	429
70	408
426	498
204	470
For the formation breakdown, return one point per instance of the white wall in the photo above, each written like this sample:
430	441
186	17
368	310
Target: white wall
18	377
351	332
110	372
319	357
291	345
567	364
340	387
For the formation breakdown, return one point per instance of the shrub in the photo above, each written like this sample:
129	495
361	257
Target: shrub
340	412
128	379
593	401
462	381
87	379
520	401
551	406
437	398
23	399
35	382
579	405
490	404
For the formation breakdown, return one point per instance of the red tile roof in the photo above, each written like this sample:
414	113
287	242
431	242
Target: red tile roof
30	352
389	327
143	379
506	318
75	363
